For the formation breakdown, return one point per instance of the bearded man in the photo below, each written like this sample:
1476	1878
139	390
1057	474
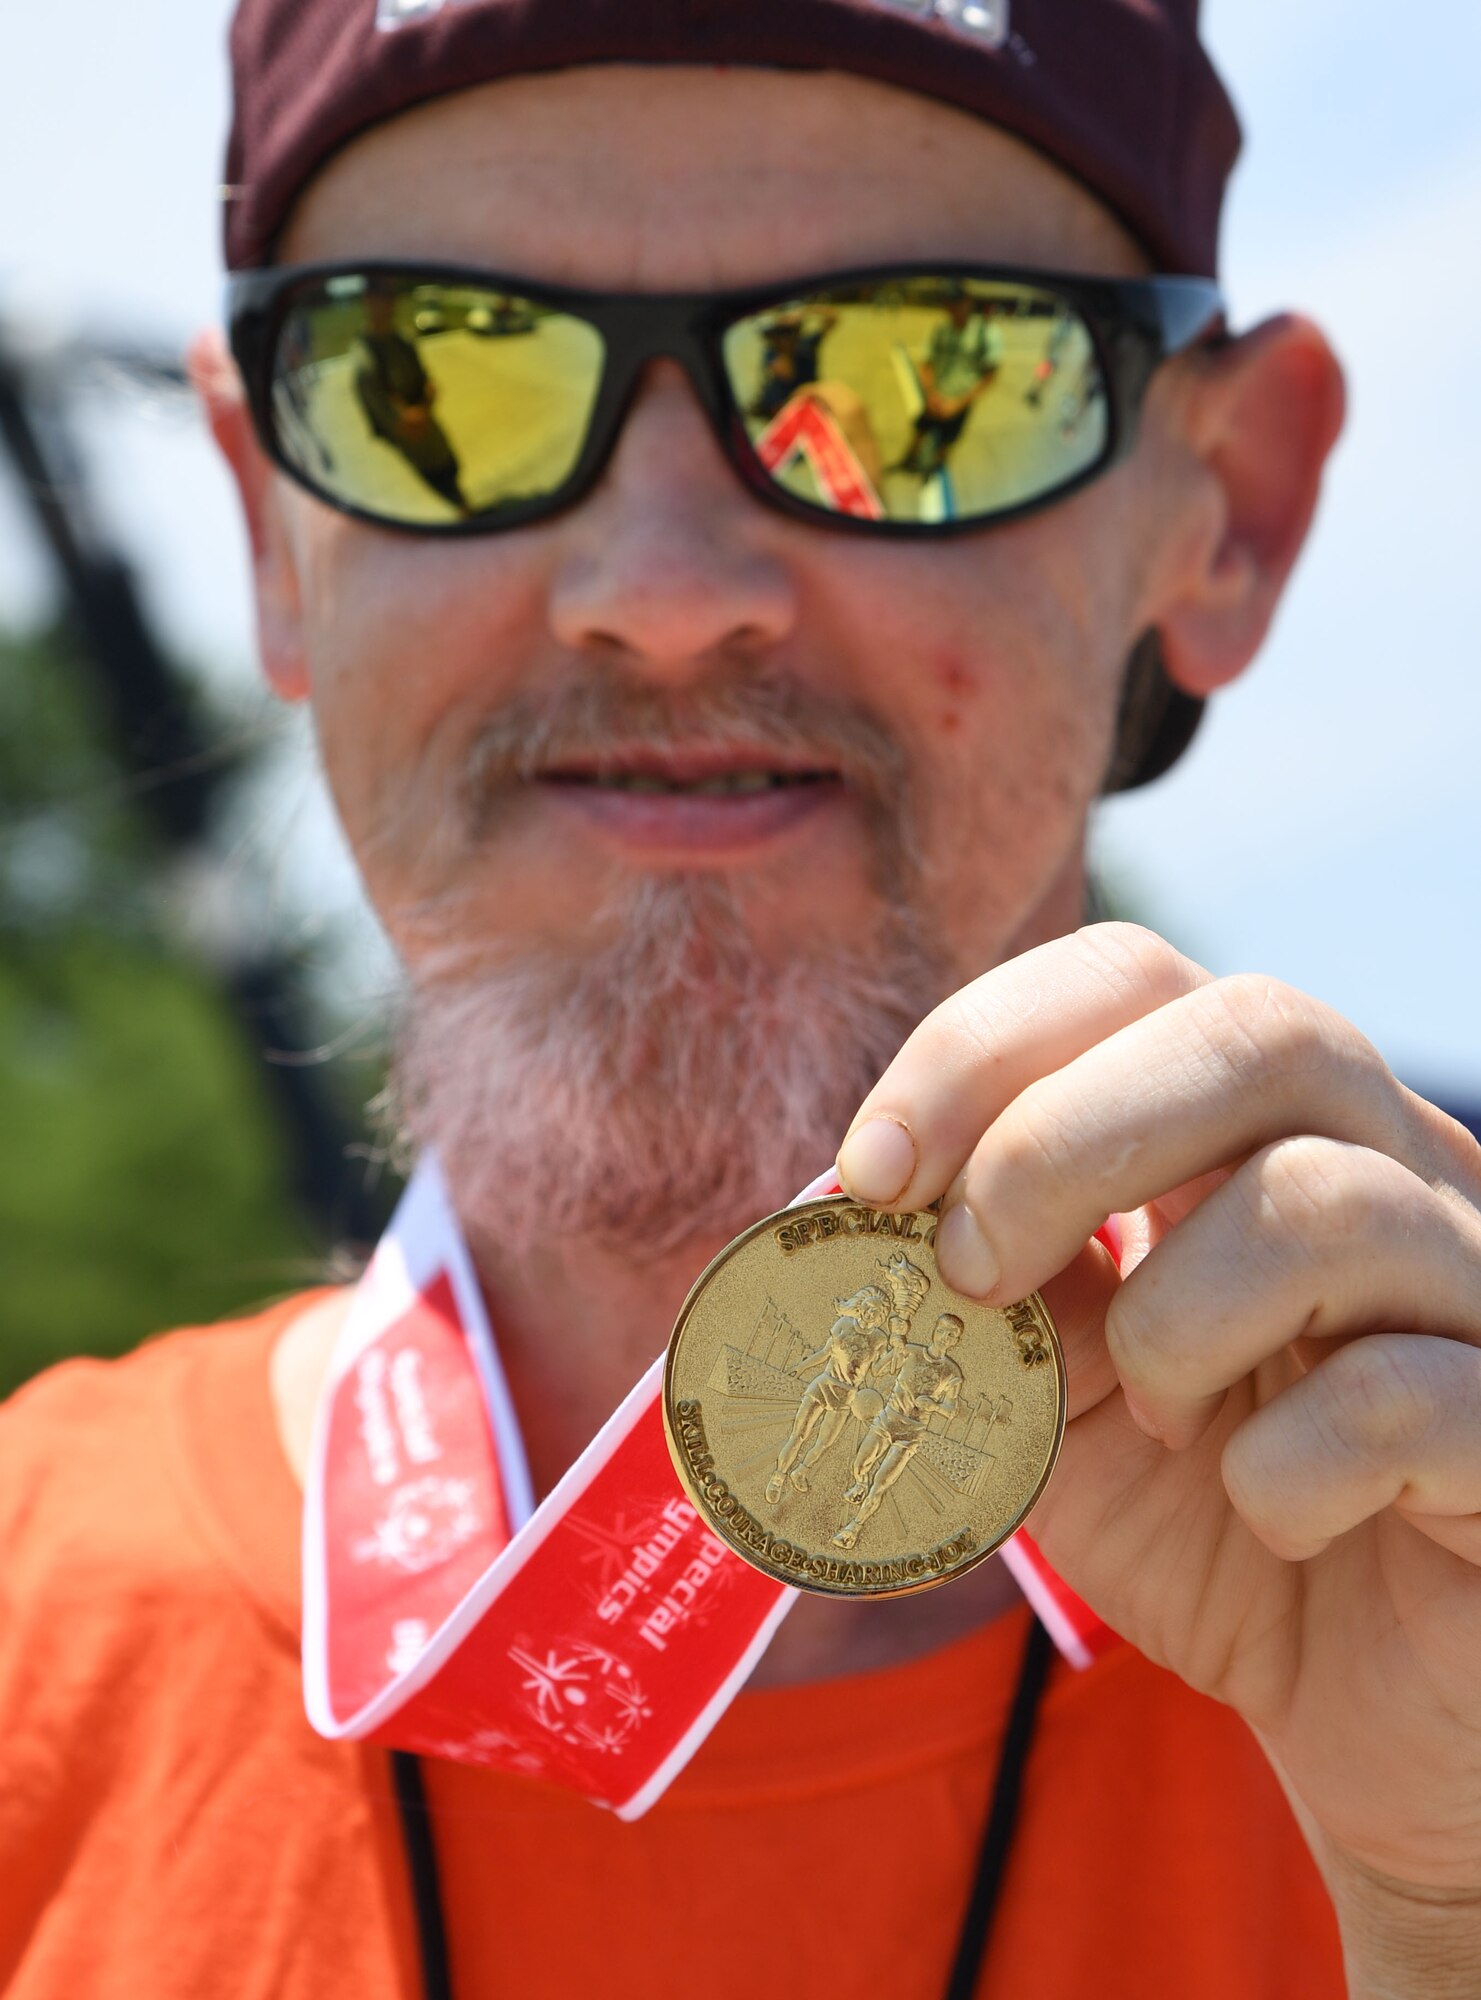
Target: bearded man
722	809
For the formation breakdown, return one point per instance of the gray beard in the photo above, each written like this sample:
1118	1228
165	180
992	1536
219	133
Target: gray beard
667	1088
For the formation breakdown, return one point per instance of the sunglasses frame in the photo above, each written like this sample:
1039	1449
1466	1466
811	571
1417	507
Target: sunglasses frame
1135	324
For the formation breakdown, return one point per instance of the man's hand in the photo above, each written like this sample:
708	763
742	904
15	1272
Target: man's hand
1271	1478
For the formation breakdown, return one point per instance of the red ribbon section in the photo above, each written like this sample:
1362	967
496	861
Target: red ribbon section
592	1642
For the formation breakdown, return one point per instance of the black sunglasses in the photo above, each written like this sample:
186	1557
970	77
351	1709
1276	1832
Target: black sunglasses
910	400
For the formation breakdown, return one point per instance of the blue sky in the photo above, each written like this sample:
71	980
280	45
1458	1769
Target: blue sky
1326	826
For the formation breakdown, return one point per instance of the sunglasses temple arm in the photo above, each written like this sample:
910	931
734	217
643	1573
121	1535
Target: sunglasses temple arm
1189	310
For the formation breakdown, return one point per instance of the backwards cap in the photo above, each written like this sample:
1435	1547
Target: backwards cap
1118	92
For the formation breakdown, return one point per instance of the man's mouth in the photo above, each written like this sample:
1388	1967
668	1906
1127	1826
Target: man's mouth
725	785
705	803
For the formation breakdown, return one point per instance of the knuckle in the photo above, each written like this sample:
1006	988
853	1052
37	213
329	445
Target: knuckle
1263	1026
1309	1194
958	1027
976	1020
1452	1149
1041	1142
1380	1404
1144	1343
1308	1186
1270	1034
1134	960
1310	1202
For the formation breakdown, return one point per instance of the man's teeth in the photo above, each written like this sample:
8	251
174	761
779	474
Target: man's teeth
727	784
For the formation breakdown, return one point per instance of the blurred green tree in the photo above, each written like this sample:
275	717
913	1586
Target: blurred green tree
144	1174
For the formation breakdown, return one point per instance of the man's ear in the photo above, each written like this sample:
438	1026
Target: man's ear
1266	412
214	376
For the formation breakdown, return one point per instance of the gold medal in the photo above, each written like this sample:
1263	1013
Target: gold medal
843	1419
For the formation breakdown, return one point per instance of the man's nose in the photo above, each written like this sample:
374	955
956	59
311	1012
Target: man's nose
669	562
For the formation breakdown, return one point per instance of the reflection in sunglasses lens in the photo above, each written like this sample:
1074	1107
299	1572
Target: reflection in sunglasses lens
428	403
923	400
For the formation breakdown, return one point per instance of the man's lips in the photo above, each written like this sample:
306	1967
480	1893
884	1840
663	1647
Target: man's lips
706	801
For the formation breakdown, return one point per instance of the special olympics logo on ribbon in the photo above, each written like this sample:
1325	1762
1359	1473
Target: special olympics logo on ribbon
584	1694
424	1522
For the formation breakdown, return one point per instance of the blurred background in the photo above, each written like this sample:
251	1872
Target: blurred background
190	991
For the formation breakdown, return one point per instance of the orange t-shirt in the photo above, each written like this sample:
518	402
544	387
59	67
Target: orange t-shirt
170	1825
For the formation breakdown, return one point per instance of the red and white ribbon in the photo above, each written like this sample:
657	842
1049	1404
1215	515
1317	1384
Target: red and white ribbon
593	1641
806	428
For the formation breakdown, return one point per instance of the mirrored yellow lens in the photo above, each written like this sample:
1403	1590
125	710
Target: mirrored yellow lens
427	403
923	400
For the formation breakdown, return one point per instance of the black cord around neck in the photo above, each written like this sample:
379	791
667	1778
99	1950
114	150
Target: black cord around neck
421	1868
1002	1815
987	1877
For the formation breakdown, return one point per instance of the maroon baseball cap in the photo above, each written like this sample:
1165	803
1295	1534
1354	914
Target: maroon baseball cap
1119	92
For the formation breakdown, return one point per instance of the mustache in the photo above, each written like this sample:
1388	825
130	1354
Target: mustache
604	714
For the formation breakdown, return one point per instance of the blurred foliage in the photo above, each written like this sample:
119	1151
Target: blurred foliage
143	1178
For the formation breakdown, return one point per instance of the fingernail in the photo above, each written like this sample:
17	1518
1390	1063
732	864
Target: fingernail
876	1163
963	1253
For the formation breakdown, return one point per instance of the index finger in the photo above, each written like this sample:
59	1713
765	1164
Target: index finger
975	1053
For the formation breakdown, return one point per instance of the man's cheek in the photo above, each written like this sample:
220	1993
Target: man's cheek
955	683
375	779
